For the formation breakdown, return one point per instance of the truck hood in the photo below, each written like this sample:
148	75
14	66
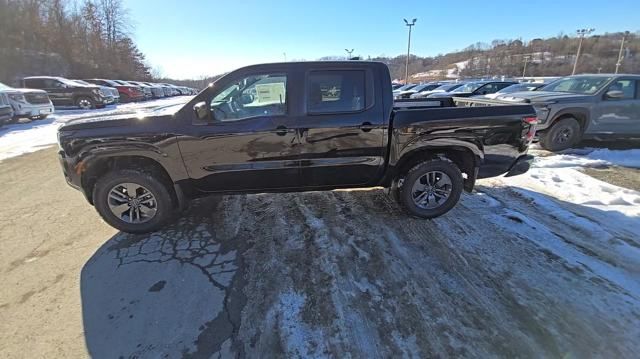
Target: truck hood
542	96
137	117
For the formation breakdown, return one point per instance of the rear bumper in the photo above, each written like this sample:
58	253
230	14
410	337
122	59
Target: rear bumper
522	165
32	110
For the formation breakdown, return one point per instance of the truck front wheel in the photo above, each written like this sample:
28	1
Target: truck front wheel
562	135
133	201
432	188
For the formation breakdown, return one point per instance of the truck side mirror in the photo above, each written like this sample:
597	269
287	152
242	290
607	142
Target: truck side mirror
614	94
201	111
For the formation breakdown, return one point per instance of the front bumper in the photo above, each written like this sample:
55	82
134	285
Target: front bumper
521	166
69	172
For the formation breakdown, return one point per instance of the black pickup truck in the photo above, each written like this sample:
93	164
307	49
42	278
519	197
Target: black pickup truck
292	127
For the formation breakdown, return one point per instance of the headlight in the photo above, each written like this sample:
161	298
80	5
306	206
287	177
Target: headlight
17	97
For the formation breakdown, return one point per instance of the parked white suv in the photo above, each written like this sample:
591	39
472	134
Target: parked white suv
34	104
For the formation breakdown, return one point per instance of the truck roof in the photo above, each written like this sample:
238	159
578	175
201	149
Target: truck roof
323	64
606	75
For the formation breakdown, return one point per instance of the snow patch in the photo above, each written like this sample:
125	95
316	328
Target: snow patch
591	158
18	139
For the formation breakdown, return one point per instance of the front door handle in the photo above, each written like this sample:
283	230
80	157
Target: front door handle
366	126
281	130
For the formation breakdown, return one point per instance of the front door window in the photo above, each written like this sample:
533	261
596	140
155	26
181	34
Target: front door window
251	96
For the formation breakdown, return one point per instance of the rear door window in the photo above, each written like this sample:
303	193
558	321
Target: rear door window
34	83
336	91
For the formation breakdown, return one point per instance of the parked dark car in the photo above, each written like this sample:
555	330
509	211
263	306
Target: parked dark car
128	93
65	92
443	88
417	89
304	126
475	88
520	87
596	107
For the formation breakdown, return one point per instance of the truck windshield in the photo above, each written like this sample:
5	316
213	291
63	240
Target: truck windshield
586	85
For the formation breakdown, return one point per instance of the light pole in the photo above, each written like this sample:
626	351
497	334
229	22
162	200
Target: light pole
620	56
285	56
349	52
406	66
581	33
524	70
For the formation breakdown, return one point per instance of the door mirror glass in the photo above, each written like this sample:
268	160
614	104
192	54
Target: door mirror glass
201	111
615	94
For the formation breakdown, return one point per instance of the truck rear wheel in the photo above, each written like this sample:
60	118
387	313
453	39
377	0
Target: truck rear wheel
432	188
133	201
562	135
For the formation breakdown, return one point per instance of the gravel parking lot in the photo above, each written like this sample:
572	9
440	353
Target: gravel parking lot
516	269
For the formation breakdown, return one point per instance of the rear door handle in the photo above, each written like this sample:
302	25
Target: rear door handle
366	127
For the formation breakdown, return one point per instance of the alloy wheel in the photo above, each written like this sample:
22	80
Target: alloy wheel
431	190
132	203
84	104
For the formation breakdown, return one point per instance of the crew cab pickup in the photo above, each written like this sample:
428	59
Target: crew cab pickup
575	108
285	127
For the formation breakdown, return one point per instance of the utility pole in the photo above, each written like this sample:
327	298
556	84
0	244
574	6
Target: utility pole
524	70
620	54
406	66
581	33
349	52
285	56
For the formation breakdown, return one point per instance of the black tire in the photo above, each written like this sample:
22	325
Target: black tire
164	205
85	103
562	135
417	173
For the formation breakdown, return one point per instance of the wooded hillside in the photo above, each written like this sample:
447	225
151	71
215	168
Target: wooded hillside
76	39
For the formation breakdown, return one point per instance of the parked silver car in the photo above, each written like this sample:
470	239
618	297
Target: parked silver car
31	103
6	111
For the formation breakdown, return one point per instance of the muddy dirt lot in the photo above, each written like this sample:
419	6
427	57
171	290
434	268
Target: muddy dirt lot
508	272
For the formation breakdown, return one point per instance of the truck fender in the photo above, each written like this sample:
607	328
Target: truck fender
579	113
466	154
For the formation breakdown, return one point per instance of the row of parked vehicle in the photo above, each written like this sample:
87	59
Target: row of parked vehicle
604	107
485	88
39	95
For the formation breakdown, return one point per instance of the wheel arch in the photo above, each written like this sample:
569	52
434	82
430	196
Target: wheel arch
580	114
463	157
98	167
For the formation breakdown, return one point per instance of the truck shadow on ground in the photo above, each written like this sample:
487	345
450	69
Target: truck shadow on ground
179	292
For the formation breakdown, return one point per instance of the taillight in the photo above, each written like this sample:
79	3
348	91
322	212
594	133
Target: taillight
532	121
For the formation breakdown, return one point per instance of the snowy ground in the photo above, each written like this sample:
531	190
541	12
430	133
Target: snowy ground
17	139
546	264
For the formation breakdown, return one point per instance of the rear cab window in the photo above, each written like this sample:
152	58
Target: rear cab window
336	91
